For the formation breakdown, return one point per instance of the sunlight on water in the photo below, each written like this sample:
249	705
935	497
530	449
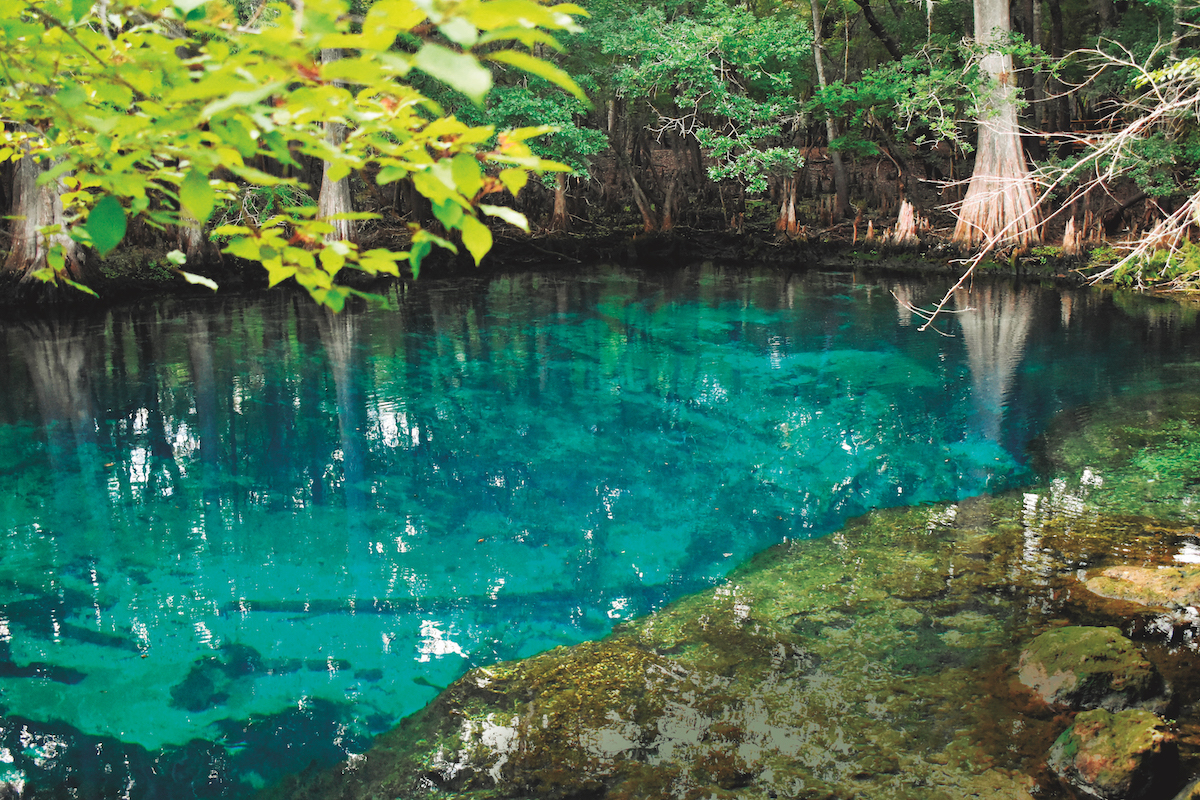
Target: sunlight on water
240	536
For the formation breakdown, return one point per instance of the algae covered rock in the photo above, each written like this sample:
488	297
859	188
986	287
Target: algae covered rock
1148	586
1084	667
1130	755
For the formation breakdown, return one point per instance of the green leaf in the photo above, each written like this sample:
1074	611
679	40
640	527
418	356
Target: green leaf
543	69
244	247
71	96
459	31
177	258
509	215
530	37
529	132
234	133
417	254
188	6
504	13
248	99
448	213
79	286
387	175
337	170
198	280
332	260
385	18
197	196
468	176
114	93
514	180
379	260
428	183
80	9
333	296
457	70
476	237
106	224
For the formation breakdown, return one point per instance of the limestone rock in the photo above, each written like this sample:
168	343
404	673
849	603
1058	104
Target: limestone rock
1083	667
1130	755
1149	586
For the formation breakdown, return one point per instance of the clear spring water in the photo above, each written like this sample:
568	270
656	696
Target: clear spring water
241	536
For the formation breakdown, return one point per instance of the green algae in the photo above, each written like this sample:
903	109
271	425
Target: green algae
1160	586
1090	667
1135	455
1127	755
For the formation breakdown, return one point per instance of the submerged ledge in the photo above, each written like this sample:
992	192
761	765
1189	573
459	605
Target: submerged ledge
881	661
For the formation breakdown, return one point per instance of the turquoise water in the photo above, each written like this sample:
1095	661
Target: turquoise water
241	536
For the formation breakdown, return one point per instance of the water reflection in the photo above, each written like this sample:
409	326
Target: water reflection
235	522
995	323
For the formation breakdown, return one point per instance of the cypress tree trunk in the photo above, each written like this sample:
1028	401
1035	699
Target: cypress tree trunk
560	220
621	151
1060	106
335	195
841	185
999	207
36	207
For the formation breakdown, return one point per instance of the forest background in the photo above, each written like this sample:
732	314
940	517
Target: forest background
155	139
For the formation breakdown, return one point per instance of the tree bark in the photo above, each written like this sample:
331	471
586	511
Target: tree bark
649	218
335	195
787	210
1000	205
37	207
880	32
841	185
560	220
1060	107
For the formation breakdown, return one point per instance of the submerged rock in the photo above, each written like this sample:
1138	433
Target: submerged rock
1081	667
1136	455
1130	755
1162	586
872	663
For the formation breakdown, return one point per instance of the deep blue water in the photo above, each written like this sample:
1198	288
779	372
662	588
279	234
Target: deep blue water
241	536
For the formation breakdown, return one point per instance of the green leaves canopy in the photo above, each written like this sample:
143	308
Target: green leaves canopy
725	76
157	108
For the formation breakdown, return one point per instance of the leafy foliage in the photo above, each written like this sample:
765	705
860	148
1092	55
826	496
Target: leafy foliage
165	109
723	75
923	98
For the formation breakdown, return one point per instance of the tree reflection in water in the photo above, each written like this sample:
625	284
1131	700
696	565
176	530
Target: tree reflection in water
995	323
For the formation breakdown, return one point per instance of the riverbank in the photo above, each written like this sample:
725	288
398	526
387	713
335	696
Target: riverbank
890	659
140	272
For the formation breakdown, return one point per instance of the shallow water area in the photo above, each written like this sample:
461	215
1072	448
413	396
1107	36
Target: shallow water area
241	536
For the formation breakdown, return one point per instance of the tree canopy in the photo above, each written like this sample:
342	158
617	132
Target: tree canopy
163	115
156	109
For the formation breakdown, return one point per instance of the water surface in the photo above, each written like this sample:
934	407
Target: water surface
241	535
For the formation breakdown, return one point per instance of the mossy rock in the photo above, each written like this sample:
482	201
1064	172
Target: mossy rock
1129	755
1148	586
1084	667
